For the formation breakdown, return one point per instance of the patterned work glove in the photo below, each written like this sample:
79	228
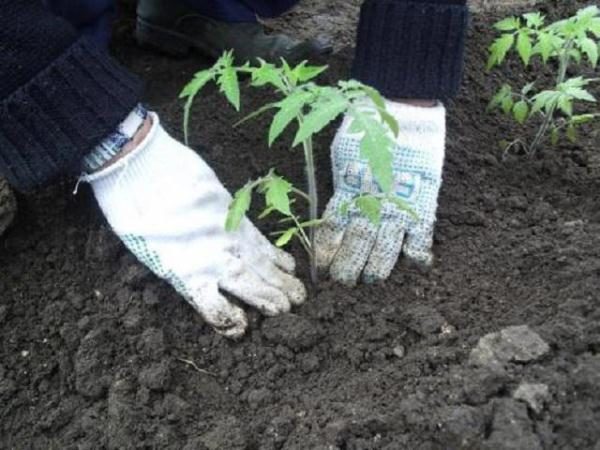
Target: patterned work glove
351	245
169	208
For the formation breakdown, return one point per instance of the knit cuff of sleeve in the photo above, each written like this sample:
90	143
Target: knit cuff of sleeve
411	49
60	115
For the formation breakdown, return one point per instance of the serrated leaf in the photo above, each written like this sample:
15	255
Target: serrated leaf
565	104
289	109
499	49
370	207
268	74
521	111
544	46
508	24
286	237
319	117
376	147
277	192
305	73
190	91
534	20
524	47
580	94
238	208
229	85
590	48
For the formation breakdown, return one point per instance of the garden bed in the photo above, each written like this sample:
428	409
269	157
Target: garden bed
95	352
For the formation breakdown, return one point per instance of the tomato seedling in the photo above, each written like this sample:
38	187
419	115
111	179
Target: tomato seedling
311	107
565	42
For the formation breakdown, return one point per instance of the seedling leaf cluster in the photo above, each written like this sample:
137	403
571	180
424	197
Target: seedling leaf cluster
566	45
309	107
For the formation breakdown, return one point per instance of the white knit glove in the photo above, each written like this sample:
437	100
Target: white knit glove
351	245
169	208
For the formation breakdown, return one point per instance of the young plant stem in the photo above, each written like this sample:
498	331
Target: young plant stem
311	179
549	119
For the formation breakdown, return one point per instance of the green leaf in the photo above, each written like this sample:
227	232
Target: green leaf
572	133
502	93
524	46
277	194
374	95
565	104
289	109
534	20
554	136
402	205
580	119
286	237
375	146
238	208
521	111
229	85
576	55
580	94
594	26
499	49
508	24
190	91
305	73
319	117
590	48
268	74
544	46
390	121
507	104
370	207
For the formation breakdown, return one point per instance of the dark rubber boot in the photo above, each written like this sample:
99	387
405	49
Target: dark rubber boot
174	28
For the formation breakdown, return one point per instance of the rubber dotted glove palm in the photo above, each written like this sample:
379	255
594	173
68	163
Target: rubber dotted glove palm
349	244
169	208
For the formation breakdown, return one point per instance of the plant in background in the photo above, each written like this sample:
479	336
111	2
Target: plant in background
311	107
561	45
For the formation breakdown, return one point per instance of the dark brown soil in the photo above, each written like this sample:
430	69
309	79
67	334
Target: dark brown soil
97	353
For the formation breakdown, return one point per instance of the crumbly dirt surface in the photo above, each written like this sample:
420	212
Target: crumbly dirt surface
95	352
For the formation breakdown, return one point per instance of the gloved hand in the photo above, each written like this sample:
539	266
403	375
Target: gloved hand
350	245
169	208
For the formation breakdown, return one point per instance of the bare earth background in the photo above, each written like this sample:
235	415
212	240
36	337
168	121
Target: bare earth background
96	353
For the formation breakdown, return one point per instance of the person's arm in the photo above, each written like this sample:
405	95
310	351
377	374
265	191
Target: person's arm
412	49
60	95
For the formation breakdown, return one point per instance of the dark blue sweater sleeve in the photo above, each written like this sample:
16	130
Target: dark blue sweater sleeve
60	95
412	48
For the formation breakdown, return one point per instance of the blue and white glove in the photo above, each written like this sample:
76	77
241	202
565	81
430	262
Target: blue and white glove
350	245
